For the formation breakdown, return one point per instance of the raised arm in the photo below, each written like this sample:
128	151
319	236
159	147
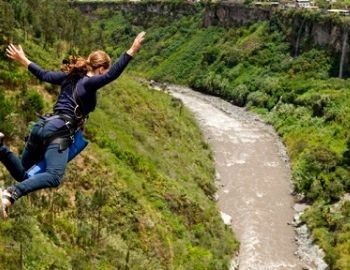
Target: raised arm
96	82
17	54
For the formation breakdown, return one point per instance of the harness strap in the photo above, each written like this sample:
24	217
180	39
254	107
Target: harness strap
63	136
70	122
79	105
63	142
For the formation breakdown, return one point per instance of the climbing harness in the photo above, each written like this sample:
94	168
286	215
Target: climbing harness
64	136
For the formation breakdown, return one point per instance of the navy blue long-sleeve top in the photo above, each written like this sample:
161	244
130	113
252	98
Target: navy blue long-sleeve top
86	91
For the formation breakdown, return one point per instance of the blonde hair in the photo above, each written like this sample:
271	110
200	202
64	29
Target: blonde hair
98	59
77	66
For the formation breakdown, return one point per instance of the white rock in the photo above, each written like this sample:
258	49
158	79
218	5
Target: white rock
300	207
226	218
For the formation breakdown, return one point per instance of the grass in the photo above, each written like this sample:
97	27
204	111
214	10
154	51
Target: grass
139	197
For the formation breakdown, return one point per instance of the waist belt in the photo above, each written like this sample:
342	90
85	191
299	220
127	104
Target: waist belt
63	136
70	122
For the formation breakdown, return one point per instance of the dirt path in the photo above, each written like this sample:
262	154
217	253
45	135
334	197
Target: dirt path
254	180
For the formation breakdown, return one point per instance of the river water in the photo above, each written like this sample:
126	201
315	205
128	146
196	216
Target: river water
254	182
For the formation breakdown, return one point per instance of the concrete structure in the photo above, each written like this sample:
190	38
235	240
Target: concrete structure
303	4
343	12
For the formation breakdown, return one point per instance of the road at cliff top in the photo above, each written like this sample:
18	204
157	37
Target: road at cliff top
254	180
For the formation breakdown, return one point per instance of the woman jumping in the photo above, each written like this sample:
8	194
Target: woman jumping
52	135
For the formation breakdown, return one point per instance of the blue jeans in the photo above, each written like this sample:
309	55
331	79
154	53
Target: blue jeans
34	151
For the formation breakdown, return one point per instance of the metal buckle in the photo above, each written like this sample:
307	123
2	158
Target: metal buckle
76	112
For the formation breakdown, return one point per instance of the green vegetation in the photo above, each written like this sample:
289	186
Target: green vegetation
139	197
253	66
158	169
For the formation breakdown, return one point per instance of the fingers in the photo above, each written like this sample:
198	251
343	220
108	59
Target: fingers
12	48
14	52
141	36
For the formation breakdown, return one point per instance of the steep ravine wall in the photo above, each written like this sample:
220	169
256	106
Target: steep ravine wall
322	30
306	32
229	15
304	29
314	29
145	8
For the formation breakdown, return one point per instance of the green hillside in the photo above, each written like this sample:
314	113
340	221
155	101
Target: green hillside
254	66
162	217
139	197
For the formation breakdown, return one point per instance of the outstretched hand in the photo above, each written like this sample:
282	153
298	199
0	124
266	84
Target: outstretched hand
135	47
17	54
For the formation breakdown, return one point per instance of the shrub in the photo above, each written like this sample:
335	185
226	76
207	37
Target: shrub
346	154
13	78
239	95
334	189
314	63
216	84
317	102
315	191
258	99
5	110
318	105
310	173
210	55
231	56
343	176
320	159
326	186
31	103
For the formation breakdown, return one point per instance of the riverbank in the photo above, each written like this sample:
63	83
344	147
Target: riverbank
254	180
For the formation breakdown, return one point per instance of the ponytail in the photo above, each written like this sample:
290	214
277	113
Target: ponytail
75	67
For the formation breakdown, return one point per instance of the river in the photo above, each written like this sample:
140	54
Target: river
254	180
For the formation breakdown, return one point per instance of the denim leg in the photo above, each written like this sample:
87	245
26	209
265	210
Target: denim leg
33	151
31	154
56	162
12	163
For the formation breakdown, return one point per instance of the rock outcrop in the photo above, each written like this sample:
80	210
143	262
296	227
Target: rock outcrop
302	30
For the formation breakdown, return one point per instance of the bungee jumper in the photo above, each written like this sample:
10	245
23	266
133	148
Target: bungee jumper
56	138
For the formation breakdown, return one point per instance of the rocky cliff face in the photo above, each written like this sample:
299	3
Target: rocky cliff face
227	14
304	32
320	32
149	8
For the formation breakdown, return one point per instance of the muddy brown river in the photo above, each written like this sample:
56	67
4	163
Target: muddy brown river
254	182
